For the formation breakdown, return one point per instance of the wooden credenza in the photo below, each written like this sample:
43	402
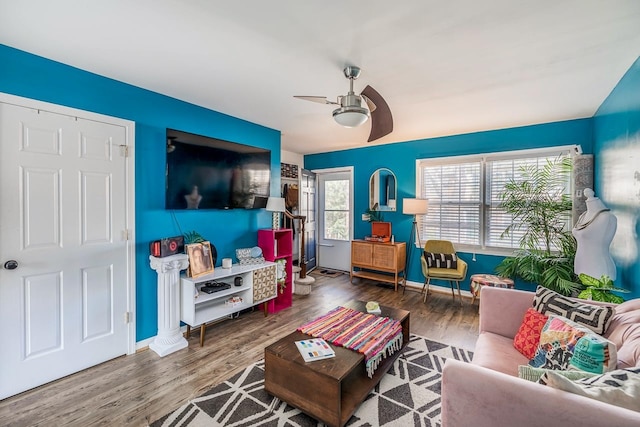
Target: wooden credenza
384	262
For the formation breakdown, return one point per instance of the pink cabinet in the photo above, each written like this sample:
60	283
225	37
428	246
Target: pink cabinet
278	245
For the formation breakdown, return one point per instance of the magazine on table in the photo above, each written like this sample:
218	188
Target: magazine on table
315	349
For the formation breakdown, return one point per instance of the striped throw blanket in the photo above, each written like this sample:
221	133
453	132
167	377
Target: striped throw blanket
374	336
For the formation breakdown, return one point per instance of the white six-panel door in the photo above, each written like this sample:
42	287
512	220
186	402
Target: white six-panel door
63	216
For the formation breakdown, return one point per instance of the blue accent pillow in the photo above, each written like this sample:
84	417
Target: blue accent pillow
256	252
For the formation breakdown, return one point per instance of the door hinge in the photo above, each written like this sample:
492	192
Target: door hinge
127	317
124	150
125	234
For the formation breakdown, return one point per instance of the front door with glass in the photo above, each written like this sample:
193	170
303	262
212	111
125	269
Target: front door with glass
335	219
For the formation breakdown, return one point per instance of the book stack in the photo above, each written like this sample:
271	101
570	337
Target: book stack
314	349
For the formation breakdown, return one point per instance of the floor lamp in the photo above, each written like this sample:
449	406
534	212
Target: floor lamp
413	207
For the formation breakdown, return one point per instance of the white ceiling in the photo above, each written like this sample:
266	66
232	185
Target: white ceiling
444	67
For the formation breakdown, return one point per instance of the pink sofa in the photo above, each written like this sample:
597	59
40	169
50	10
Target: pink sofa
488	392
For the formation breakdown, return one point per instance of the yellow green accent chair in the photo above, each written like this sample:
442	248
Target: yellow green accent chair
449	274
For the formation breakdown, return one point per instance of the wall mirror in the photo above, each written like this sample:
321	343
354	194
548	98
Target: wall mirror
382	190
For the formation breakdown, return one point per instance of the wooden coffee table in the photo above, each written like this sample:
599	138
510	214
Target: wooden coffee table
329	390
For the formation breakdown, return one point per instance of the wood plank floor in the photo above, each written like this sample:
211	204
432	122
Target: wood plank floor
138	389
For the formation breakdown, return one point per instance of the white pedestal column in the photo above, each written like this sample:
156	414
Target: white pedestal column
169	338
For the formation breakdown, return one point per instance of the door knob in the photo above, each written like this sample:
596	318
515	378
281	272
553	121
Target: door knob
11	264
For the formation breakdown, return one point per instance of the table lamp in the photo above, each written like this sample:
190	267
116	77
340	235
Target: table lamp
275	205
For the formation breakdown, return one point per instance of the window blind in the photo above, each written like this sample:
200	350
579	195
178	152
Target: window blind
454	193
464	196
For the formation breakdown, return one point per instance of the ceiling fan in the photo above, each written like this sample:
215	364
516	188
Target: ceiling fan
352	113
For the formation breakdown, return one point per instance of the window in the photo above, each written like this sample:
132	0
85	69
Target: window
463	193
336	210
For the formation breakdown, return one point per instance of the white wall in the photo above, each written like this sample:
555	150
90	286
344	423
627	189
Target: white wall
292	158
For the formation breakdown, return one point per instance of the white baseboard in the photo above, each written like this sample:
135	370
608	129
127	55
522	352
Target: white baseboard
436	288
144	344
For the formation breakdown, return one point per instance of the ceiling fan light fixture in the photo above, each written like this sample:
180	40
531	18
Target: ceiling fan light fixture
356	109
350	117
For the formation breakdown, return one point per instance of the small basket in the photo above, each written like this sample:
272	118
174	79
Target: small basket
243	253
234	301
250	261
303	286
302	289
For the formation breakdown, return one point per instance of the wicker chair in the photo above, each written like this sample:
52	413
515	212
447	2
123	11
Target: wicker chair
451	275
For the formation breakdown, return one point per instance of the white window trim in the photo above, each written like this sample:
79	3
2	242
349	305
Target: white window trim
573	150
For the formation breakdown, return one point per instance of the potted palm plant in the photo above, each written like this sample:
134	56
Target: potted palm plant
541	210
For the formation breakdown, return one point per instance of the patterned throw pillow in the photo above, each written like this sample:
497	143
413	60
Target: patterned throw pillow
620	387
594	353
561	338
528	337
557	341
596	318
530	373
436	260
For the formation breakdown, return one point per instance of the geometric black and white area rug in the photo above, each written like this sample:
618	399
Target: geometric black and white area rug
408	395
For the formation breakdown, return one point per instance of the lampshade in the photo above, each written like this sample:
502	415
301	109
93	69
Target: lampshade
415	206
350	117
275	204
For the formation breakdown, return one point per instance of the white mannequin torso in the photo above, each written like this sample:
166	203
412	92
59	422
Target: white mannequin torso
594	232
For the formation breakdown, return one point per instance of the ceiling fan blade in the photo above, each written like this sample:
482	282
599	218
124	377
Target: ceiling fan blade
318	99
370	104
381	118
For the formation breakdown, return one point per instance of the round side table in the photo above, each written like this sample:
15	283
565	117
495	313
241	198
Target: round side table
480	280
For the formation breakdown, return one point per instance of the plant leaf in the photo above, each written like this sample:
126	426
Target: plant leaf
193	237
588	280
586	294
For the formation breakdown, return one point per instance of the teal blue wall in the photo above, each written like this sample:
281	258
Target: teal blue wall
617	173
401	159
30	76
616	126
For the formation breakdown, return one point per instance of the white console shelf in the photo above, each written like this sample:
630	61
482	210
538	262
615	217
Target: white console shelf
197	308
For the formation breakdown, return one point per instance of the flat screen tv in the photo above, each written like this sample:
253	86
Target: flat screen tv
209	173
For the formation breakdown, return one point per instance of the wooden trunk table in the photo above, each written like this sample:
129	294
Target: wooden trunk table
329	390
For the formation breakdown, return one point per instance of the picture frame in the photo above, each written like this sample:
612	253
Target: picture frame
200	259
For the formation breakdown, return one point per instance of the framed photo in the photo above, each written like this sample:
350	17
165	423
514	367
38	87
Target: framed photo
200	259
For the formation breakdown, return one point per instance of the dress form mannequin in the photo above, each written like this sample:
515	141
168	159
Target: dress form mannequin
594	232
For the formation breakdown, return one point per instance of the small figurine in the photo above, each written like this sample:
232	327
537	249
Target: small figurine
193	199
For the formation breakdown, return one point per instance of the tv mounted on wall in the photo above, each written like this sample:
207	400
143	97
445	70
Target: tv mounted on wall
209	173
